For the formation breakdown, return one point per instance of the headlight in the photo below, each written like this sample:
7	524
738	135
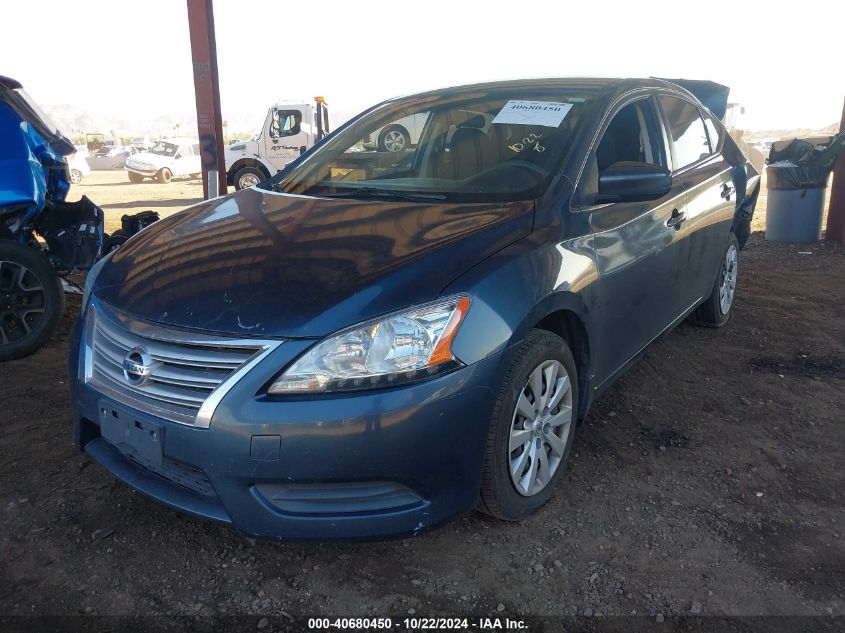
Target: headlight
91	278
384	352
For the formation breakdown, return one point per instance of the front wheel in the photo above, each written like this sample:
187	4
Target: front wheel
247	177
532	428
75	176
716	309
135	178
164	176
31	300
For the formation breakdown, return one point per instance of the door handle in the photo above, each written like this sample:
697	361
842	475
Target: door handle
676	219
727	190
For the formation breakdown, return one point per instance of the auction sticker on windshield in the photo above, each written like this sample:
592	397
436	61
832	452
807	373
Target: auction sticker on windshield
546	113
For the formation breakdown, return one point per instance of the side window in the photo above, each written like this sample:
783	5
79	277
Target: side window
689	136
196	147
713	133
286	123
633	134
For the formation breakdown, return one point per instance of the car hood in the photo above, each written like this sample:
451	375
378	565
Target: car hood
258	263
248	147
144	158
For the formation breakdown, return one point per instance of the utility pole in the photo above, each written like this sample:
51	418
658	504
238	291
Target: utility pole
207	91
836	211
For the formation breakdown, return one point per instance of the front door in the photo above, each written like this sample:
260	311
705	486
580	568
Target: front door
641	247
286	136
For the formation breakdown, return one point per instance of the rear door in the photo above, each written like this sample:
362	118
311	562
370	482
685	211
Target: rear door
699	166
641	248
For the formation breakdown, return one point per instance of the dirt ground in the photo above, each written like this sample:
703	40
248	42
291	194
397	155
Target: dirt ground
708	480
116	196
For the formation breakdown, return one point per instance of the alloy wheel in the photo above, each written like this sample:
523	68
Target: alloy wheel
248	180
23	301
394	141
540	428
727	280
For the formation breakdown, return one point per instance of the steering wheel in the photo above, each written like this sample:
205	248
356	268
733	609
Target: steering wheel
526	166
493	175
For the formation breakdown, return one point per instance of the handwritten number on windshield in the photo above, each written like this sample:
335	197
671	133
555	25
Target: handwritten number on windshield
529	142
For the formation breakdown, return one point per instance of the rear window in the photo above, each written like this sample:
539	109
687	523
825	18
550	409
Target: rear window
686	127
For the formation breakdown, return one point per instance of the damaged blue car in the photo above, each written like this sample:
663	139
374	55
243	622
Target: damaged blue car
42	236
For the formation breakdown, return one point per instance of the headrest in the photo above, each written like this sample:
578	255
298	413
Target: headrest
476	121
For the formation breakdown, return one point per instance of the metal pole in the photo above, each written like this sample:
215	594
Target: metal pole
207	91
836	211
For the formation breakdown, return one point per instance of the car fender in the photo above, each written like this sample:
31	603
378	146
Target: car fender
515	289
234	161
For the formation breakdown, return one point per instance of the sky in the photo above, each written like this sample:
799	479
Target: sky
134	58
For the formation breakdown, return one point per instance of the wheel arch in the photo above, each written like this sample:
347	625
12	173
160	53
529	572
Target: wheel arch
246	161
568	325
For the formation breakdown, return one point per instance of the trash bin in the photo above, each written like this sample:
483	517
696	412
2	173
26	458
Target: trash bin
796	182
795	203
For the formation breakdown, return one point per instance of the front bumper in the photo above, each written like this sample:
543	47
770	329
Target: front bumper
148	172
387	463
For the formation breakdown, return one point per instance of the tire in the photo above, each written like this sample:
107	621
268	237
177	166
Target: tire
716	309
164	175
247	177
75	176
31	300
135	178
502	495
113	243
394	138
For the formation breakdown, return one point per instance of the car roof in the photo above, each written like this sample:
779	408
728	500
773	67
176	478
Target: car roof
598	86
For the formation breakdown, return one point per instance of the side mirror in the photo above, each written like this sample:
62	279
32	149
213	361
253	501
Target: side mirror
274	124
634	182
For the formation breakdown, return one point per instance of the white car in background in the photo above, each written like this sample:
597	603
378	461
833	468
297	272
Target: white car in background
399	135
108	157
167	158
77	164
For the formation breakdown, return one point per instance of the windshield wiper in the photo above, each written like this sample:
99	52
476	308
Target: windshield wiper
372	193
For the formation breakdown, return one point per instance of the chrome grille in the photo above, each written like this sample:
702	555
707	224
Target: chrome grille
189	373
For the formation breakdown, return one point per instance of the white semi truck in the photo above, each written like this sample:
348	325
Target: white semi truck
289	130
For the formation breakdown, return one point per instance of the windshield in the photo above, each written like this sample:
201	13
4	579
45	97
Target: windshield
163	148
503	145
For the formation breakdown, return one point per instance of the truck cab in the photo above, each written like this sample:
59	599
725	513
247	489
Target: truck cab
289	130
